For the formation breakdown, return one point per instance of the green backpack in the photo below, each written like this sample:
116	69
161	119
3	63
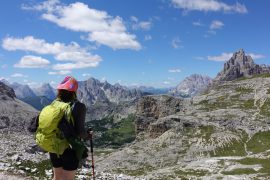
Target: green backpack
48	135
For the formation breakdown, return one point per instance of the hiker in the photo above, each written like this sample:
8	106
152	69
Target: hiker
64	120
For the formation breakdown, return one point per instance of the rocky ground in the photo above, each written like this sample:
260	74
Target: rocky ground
220	134
20	159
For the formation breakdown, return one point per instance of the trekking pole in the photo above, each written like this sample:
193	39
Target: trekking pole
92	155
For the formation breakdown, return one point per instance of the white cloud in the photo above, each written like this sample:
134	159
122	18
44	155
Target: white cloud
53	84
81	18
61	72
208	5
32	62
61	52
18	75
48	5
256	56
71	52
29	43
134	19
226	56
147	37
174	70
199	58
211	32
177	43
143	25
166	82
86	75
103	79
216	24
223	57
34	84
70	66
171	78
197	23
134	84
115	40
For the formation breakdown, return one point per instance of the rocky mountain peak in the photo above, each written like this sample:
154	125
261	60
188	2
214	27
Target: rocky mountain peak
46	90
6	91
92	91
240	65
93	80
241	58
22	91
191	85
240	53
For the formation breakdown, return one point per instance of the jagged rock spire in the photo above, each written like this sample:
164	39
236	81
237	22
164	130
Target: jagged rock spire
240	65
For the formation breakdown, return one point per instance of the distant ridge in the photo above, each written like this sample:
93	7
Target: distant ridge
14	114
191	86
46	90
92	91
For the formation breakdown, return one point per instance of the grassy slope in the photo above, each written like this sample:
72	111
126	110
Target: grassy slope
113	134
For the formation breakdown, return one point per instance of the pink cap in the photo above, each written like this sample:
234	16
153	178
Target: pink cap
69	84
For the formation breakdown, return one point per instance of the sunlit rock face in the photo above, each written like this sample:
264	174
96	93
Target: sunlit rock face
240	65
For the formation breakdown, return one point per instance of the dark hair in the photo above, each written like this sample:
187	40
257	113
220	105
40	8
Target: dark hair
66	96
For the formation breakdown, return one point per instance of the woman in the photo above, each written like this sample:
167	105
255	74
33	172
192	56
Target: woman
65	165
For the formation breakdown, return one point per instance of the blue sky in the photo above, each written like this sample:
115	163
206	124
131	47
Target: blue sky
133	42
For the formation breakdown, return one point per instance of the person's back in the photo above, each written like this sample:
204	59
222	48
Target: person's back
48	135
65	161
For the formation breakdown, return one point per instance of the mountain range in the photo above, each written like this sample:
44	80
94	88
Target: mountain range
92	92
222	133
36	97
151	90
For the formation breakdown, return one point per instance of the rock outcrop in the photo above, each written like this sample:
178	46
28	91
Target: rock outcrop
240	65
151	108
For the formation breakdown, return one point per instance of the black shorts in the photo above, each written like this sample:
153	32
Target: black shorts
68	160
